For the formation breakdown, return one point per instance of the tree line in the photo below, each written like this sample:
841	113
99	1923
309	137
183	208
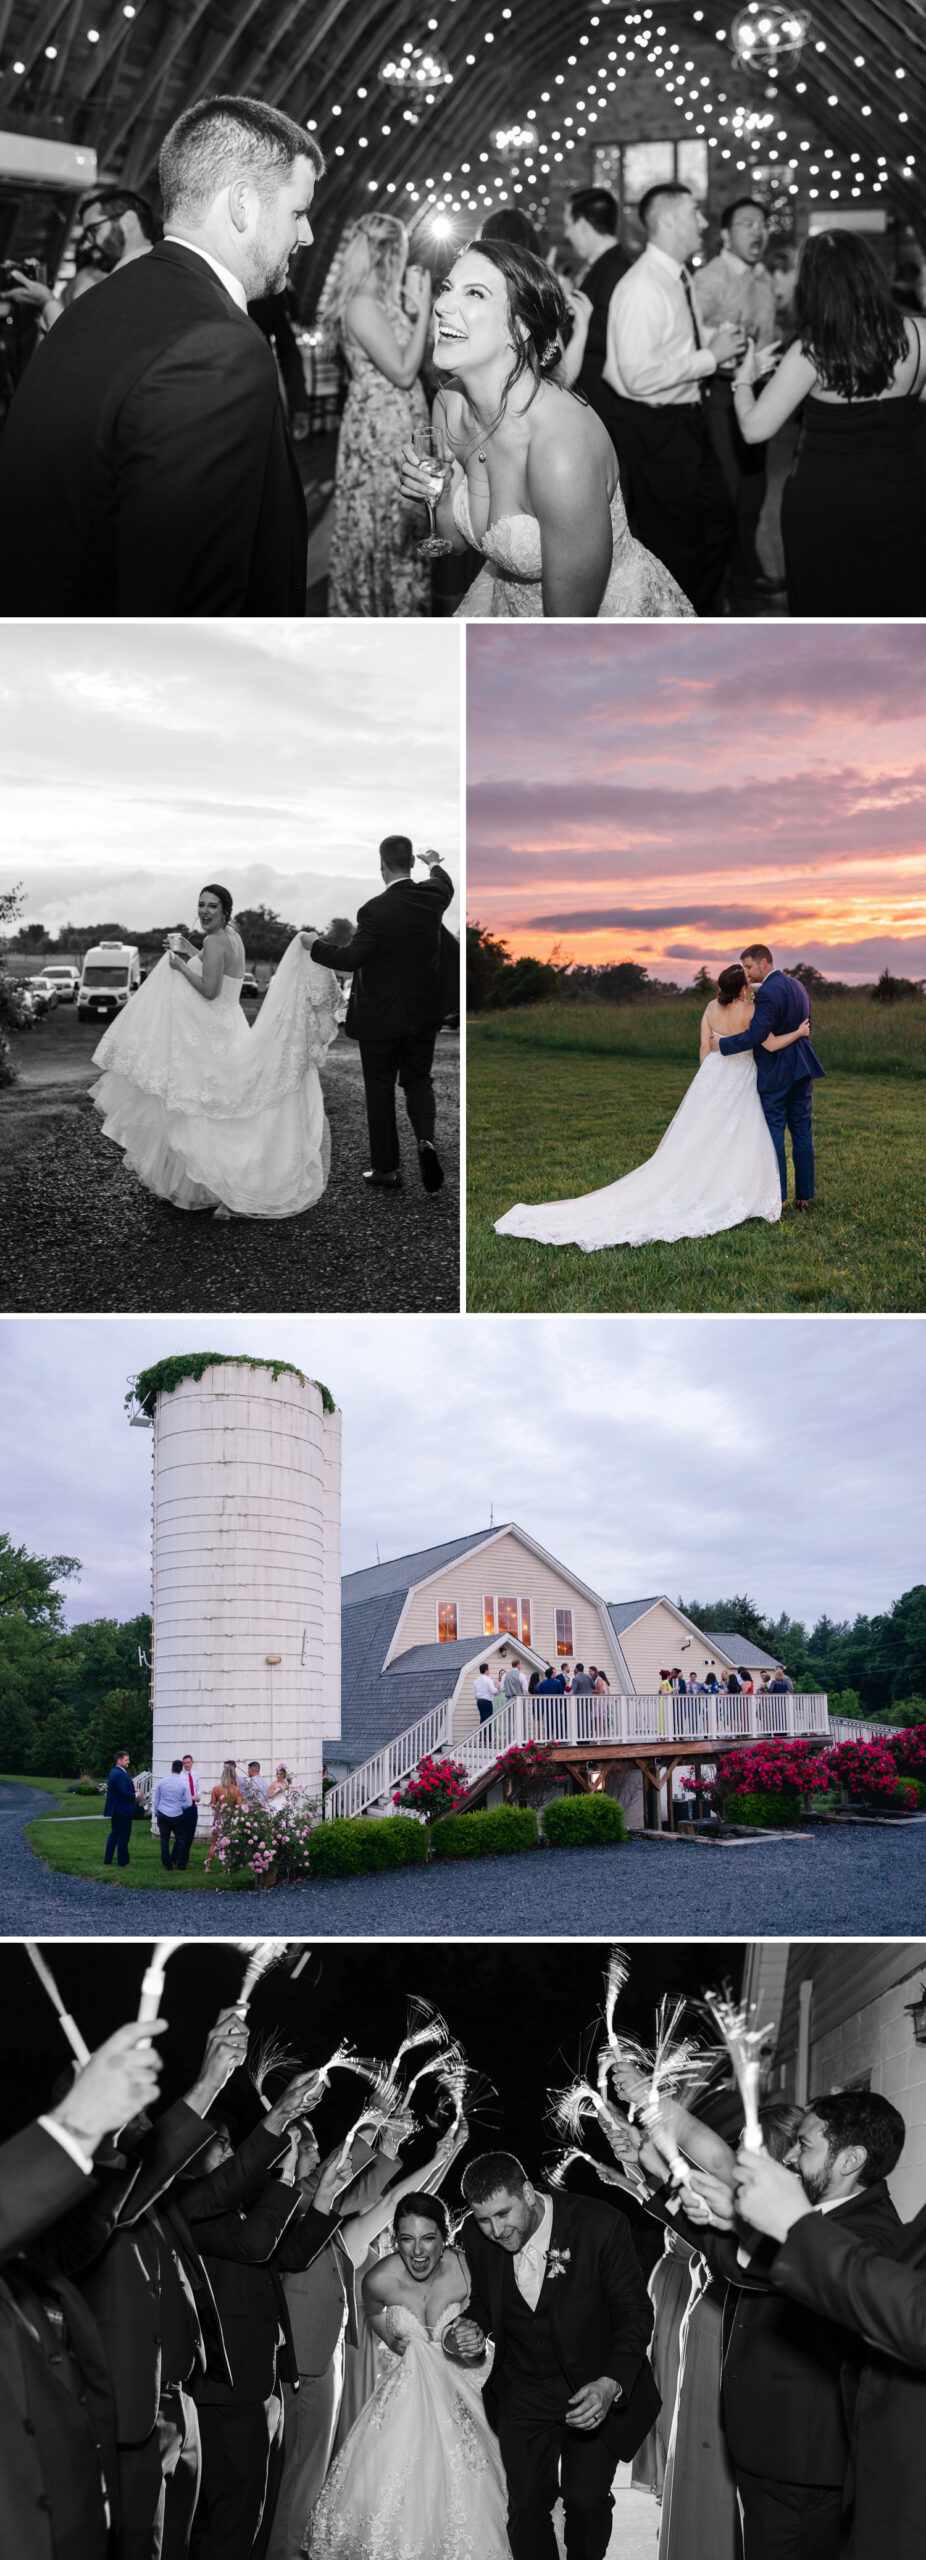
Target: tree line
869	1666
495	982
69	1697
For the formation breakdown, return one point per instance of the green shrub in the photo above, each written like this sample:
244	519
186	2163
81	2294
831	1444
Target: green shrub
920	1791
484	1835
353	1848
766	1811
584	1822
907	1797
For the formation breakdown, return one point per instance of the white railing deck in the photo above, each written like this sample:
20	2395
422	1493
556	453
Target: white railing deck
582	1721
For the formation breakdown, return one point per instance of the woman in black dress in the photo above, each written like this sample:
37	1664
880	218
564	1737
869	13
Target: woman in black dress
853	515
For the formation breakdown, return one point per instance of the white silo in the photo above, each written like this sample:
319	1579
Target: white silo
246	1572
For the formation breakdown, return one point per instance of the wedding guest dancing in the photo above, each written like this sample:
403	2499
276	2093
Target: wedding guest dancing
381	308
716	1165
658	356
211	1112
853	515
146	466
555	2280
396	1005
534	483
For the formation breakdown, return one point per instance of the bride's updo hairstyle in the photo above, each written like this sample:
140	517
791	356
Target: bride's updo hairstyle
427	2208
537	310
213	889
731	983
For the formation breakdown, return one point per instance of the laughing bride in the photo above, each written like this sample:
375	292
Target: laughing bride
211	1113
715	1166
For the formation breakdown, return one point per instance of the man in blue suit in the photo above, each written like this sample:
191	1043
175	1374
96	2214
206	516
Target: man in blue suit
120	1806
785	1077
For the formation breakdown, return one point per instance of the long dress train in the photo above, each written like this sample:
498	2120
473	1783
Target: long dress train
714	1167
420	2476
211	1112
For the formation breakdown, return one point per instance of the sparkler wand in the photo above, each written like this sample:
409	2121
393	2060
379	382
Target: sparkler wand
618	1968
154	1977
79	2049
744	2044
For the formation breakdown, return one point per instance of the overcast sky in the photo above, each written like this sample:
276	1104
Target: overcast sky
139	760
662	797
686	1455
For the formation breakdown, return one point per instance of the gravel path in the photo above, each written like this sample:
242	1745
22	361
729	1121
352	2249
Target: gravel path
82	1236
831	1884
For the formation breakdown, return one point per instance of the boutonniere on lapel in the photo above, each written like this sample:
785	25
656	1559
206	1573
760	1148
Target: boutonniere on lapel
557	2262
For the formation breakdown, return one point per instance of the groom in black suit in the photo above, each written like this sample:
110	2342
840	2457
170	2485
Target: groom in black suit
785	1077
397	1003
146	466
555	2280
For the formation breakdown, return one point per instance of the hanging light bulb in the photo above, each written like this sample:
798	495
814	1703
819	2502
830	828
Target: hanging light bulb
417	71
769	38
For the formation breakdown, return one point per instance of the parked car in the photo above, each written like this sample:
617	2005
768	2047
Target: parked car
44	992
249	985
110	975
64	975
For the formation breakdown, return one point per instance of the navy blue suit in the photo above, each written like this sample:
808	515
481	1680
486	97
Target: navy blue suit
785	1077
120	1806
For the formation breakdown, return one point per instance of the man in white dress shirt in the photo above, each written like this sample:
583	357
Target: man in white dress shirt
658	357
736	286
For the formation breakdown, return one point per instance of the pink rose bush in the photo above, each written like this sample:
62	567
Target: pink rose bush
869	1770
271	1843
437	1787
775	1768
528	1771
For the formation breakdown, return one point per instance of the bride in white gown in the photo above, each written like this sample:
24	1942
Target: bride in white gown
533	481
419	2477
211	1113
715	1166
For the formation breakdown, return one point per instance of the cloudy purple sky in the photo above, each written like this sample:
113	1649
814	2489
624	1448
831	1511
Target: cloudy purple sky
139	759
657	792
634	1451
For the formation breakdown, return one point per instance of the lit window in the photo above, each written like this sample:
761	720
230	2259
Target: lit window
507	1617
564	1631
525	1621
488	1615
446	1622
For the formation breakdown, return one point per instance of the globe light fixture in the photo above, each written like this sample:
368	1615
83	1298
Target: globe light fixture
766	37
417	72
516	141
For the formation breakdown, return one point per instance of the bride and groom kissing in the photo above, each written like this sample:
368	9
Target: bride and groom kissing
722	1159
444	2463
215	1114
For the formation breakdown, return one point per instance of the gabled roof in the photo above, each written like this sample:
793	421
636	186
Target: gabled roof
739	1649
624	1613
402	1573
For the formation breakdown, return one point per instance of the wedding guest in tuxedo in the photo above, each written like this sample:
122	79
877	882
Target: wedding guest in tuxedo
876	2291
120	1807
658	356
394	1010
590	223
146	466
853	517
555	2280
736	286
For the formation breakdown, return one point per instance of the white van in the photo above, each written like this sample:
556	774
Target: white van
110	974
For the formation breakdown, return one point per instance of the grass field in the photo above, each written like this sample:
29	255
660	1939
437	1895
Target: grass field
564	1099
71	1842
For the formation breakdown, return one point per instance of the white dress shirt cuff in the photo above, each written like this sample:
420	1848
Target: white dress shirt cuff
82	2158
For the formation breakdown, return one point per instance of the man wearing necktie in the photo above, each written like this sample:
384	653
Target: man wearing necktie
555	2281
659	354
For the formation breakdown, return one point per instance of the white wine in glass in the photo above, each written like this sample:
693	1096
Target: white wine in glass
437	466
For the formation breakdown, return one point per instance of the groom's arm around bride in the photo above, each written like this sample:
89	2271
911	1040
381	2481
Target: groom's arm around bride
396	1004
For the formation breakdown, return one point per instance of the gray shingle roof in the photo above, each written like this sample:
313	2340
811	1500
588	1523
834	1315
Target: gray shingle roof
624	1613
739	1649
402	1572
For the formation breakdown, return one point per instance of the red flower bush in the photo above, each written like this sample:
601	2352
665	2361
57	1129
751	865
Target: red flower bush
528	1771
776	1768
438	1787
908	1751
866	1769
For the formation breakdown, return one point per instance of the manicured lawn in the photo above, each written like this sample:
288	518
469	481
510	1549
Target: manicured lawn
69	1807
76	1849
548	1119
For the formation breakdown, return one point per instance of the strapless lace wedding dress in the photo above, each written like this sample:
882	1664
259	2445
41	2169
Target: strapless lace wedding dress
714	1168
211	1112
419	2476
509	588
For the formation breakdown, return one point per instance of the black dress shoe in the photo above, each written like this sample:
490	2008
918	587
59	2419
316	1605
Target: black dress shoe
429	1164
382	1181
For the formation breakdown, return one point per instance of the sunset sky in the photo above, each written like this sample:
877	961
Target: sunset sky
139	760
662	792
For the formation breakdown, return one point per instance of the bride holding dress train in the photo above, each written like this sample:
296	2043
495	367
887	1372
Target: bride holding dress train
212	1113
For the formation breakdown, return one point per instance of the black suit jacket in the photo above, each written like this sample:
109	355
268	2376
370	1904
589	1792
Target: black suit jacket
52	2444
789	2377
601	2313
244	2256
599	284
880	2295
146	466
395	955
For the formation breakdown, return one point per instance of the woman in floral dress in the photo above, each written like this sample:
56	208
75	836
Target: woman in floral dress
380	307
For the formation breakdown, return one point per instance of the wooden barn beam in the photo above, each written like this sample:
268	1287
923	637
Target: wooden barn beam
162	61
33	51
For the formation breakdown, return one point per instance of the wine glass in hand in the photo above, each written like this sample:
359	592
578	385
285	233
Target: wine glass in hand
435	467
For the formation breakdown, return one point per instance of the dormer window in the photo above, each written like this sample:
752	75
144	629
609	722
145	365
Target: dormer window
505	1615
446	1622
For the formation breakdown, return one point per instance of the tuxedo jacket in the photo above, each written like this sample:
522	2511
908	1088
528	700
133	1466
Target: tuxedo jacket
120	1788
599	284
38	2182
52	2444
781	1003
879	2293
146	466
395	955
600	2312
245	2256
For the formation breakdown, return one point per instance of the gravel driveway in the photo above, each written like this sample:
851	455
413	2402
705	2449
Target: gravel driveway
831	1884
82	1236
